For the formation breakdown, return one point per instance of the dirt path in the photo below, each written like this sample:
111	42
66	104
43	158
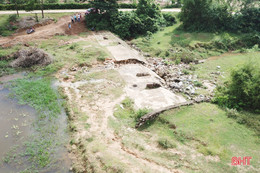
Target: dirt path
45	32
76	11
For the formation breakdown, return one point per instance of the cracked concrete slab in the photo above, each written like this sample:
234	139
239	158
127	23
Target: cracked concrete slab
149	98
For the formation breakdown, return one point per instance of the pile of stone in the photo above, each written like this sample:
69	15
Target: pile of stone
173	75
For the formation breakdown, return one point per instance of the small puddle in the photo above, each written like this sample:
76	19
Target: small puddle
16	127
8	78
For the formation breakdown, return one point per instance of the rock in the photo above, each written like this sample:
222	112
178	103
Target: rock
142	74
146	55
26	45
202	98
153	85
202	61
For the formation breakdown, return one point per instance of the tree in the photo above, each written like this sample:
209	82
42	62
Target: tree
30	6
42	7
102	15
150	15
17	3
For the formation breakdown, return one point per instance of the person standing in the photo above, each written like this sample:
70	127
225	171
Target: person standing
78	17
69	25
72	19
75	17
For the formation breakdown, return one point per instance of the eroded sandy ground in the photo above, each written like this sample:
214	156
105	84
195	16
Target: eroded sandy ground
97	99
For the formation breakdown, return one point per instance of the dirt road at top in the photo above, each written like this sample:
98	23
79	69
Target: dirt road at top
76	11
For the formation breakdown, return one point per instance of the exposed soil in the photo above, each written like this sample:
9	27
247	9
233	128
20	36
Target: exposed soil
45	32
100	110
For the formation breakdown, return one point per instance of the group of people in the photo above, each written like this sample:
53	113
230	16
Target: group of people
75	18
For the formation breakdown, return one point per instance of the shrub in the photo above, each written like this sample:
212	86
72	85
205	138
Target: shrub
206	15
198	84
150	15
103	18
164	143
139	113
242	91
12	18
169	19
249	20
126	25
146	19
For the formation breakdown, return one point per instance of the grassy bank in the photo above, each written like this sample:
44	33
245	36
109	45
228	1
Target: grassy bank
173	43
206	137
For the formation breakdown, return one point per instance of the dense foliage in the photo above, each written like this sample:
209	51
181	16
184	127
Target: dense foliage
147	18
242	91
102	17
206	15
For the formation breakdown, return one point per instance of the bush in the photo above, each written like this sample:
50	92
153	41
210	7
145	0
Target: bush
139	113
12	18
126	25
169	19
204	15
249	20
242	91
146	19
164	143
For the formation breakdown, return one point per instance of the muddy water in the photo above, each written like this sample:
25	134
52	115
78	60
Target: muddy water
15	123
16	126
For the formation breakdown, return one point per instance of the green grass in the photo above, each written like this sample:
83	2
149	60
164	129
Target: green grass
166	42
82	53
227	62
39	150
38	94
204	128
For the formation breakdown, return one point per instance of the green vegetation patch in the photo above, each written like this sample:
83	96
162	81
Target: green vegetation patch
38	94
39	150
204	128
173	43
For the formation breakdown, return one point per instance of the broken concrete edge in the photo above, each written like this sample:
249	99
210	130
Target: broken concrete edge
130	61
155	114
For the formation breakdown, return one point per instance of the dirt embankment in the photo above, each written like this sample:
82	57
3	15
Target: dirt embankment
44	32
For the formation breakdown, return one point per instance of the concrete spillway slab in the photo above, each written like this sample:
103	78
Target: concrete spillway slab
149	98
121	53
118	48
